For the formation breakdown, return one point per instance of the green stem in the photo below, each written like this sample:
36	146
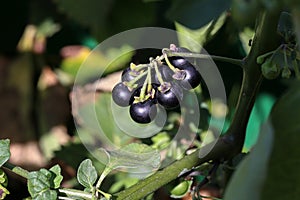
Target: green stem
168	62
149	86
144	87
17	170
75	193
238	62
105	172
132	82
158	74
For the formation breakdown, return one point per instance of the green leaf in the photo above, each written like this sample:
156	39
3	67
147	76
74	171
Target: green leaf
135	156
58	177
87	174
283	178
181	189
39	185
196	13
91	13
187	37
4	151
247	181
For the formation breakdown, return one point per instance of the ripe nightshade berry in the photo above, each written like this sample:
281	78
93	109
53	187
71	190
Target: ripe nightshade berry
143	112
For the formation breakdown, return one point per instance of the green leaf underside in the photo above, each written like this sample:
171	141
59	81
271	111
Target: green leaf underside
134	156
4	151
247	181
283	177
87	174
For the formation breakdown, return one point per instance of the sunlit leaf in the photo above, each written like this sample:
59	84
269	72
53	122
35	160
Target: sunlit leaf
58	178
4	151
188	37
87	174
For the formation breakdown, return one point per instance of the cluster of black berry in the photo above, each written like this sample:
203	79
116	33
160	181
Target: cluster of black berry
161	81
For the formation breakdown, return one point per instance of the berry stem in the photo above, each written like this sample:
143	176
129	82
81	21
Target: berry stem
168	62
144	87
158	74
238	62
17	170
149	87
132	82
297	73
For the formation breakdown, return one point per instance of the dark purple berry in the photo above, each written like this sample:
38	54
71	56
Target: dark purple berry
122	95
170	98
192	77
143	112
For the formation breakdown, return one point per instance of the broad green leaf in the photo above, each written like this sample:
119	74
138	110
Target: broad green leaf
134	155
39	185
58	177
4	151
140	159
283	177
196	13
187	37
247	181
181	189
87	174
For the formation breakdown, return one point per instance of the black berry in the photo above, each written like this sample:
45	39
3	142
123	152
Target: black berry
122	95
170	98
143	112
192	77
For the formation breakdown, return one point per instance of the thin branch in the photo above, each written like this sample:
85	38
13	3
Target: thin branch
237	62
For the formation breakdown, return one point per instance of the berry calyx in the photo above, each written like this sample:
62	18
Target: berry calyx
143	112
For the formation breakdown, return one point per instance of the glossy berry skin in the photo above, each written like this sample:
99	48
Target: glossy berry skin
143	112
192	78
122	95
171	98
